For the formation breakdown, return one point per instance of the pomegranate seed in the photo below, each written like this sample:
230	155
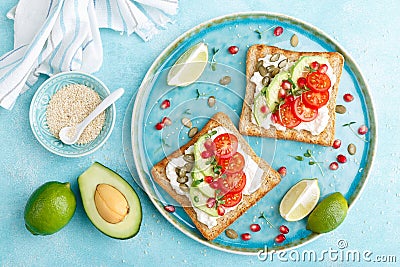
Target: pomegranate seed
278	31
255	227
167	121
246	236
314	65
286	85
323	68
264	109
169	208
348	97
341	158
289	99
220	210
301	82
165	104
214	184
280	238
210	202
233	49
208	179
274	118
337	143
206	154
334	166
282	171
363	130
159	126
210	146
282	93
283	229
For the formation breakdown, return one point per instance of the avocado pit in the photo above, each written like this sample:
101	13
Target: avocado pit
110	203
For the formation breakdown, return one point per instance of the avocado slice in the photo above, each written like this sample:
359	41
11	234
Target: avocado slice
299	67
272	91
110	202
196	194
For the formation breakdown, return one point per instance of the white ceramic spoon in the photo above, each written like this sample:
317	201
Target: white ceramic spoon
70	135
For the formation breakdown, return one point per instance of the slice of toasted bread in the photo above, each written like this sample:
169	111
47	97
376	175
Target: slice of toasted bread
270	179
247	127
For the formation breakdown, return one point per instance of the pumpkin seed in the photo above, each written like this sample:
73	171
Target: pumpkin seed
283	63
184	188
192	132
294	41
275	72
182	179
188	158
262	71
265	81
259	64
211	101
186	122
274	57
188	166
340	109
232	234
225	80
351	148
182	172
270	68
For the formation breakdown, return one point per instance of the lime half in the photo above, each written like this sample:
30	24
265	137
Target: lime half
300	200
329	214
188	68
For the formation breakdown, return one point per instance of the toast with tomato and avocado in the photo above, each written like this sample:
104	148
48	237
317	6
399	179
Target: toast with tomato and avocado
291	95
216	176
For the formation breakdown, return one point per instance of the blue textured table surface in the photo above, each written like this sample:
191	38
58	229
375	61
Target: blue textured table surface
369	32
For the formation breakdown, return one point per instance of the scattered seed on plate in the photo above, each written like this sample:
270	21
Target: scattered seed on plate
348	97
225	80
337	143
278	31
341	158
340	109
187	122
282	171
294	41
192	132
165	104
334	166
169	208
232	234
233	49
246	236
211	101
362	130
351	148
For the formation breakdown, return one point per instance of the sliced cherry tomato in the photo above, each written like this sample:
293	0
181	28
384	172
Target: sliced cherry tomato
231	199
303	112
318	82
286	116
315	99
226	145
237	181
232	164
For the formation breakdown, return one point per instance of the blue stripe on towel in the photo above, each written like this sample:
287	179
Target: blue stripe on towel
54	53
11	52
109	14
35	41
77	29
123	21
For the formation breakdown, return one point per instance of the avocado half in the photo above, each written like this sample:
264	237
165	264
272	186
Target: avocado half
89	182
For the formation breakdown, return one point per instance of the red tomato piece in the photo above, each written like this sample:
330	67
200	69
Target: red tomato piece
286	116
233	164
315	99
231	199
303	112
225	145
233	183
318	82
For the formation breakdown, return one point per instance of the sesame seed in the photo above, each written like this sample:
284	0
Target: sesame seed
69	106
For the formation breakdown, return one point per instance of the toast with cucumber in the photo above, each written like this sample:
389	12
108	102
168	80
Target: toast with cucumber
216	176
291	95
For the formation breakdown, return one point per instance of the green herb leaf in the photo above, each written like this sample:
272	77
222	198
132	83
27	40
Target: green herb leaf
298	158
195	183
307	155
187	112
311	162
348	124
213	62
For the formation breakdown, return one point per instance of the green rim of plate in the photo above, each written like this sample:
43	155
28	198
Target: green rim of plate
136	135
40	101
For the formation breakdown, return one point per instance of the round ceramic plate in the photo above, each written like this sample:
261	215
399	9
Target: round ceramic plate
243	30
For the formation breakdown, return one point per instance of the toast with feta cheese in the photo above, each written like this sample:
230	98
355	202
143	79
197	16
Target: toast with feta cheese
249	125
269	178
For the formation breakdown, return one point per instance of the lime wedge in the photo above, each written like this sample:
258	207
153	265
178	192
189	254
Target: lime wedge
188	68
300	200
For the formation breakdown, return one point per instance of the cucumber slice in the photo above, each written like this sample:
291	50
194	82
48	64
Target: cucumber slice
259	101
300	67
199	200
272	90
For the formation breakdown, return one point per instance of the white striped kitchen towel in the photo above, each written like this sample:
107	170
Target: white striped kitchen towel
51	36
